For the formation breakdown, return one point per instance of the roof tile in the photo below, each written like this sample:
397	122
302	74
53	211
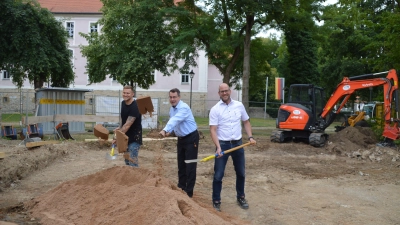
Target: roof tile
72	6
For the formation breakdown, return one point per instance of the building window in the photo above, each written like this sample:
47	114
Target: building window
6	75
70	29
94	27
6	100
90	101
114	79
185	78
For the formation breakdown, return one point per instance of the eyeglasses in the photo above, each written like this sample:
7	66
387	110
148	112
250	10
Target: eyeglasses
224	91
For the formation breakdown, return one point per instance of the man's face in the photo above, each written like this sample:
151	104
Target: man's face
127	95
174	98
224	93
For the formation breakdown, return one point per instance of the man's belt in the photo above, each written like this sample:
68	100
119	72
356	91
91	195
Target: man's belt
231	141
183	137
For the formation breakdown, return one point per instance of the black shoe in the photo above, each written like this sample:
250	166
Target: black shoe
190	194
217	206
243	203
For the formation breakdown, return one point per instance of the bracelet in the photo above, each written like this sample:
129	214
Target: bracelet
250	137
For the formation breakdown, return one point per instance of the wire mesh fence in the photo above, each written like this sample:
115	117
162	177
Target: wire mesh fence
18	104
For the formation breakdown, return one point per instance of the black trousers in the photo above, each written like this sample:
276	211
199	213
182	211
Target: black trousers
187	148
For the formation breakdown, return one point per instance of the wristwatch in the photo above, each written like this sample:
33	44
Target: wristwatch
250	137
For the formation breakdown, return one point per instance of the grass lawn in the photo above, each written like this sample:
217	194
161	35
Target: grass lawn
255	122
12	117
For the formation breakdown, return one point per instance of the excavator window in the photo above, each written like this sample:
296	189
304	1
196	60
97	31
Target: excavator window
319	105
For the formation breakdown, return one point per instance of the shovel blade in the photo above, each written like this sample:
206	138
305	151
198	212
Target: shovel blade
192	160
111	157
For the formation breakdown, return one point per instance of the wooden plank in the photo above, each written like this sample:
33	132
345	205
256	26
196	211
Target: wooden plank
96	139
2	155
159	139
71	118
39	143
143	139
15	124
86	118
37	119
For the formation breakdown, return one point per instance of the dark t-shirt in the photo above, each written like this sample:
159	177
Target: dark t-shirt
135	131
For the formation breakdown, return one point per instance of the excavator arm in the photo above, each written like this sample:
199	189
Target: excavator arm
351	84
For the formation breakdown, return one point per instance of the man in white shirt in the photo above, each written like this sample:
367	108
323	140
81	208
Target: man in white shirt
226	132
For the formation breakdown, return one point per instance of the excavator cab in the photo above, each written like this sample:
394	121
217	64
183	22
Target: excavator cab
308	95
299	118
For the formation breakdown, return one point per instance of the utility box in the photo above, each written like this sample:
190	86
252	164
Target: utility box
61	101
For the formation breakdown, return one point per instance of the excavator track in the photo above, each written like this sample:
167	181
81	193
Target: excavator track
317	139
281	136
277	136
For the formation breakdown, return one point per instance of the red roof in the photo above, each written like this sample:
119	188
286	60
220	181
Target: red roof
72	6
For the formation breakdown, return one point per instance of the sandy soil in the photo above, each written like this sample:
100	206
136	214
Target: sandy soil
349	181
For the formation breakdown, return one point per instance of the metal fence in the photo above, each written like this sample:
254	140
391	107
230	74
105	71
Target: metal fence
17	104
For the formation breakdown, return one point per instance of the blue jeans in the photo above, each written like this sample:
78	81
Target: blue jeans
133	150
219	170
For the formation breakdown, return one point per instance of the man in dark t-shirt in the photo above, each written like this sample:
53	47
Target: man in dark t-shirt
131	125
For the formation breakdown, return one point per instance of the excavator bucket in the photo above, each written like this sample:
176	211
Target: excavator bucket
63	131
32	131
9	132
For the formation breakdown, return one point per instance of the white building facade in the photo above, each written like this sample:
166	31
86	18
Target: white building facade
81	16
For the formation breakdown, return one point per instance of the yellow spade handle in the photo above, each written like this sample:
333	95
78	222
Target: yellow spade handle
112	150
224	152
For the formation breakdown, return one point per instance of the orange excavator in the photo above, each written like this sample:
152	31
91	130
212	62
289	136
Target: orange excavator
305	116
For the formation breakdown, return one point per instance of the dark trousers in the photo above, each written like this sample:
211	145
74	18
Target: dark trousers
187	148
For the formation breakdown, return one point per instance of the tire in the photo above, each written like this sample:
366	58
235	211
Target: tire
362	123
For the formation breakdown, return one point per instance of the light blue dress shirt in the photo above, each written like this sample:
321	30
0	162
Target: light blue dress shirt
181	120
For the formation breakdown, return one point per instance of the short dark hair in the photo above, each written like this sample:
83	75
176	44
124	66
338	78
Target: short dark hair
173	90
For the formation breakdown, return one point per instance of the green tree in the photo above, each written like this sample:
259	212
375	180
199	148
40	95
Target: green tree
300	30
132	44
345	37
224	30
33	45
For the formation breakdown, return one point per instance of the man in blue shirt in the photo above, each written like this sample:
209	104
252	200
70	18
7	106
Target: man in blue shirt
182	123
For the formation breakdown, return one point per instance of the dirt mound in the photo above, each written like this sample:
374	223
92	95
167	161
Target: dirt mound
354	137
361	143
121	195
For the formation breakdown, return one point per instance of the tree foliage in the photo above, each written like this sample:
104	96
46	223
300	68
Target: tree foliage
33	45
132	44
358	37
300	30
224	30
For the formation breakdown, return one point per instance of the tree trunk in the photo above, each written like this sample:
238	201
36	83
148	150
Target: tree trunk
38	83
246	61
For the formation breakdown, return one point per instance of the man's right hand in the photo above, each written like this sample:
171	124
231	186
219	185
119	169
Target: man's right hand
162	133
218	151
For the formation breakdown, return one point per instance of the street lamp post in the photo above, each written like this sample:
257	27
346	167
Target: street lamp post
191	78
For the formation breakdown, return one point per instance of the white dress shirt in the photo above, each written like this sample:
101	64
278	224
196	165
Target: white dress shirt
228	119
